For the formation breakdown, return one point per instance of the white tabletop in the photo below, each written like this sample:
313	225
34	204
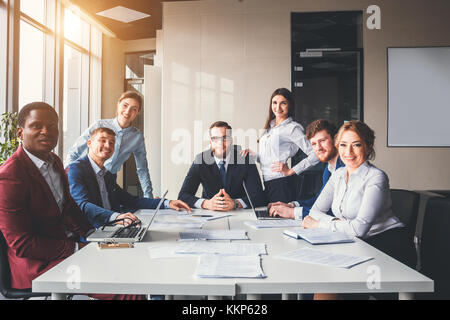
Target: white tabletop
132	271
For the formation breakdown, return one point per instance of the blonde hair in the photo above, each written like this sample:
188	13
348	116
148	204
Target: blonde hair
366	134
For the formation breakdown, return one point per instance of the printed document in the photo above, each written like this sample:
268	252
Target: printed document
219	266
276	223
318	235
213	235
325	258
238	249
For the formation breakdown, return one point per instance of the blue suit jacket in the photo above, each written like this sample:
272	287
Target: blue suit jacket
205	171
308	203
85	191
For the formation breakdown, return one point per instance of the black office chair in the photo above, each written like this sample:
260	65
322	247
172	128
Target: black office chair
309	182
405	205
5	277
435	248
445	193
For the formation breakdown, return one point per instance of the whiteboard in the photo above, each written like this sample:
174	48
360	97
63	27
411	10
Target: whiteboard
419	97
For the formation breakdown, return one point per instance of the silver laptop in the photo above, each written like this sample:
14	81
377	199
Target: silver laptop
261	214
129	234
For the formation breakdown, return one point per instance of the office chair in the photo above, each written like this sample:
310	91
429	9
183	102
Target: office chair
309	182
445	193
405	205
435	249
5	277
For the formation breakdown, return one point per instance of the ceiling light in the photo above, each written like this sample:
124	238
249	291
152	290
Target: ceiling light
123	14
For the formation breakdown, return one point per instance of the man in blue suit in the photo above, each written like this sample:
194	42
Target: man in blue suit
95	189
321	135
221	171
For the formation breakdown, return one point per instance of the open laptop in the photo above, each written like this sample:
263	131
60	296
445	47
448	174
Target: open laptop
261	214
121	234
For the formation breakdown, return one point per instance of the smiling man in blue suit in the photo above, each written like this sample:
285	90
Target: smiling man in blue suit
95	189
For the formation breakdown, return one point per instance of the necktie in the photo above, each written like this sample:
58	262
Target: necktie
223	173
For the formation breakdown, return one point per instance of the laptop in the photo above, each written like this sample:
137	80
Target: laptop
261	214
121	234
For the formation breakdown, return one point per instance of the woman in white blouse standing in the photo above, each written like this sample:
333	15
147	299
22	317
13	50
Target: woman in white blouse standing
281	140
360	198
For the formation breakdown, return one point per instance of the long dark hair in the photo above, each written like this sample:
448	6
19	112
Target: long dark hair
287	94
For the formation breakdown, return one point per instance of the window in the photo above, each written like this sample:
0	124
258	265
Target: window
36	36
34	66
35	9
31	66
82	77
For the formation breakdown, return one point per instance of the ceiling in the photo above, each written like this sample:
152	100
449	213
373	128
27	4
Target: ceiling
139	29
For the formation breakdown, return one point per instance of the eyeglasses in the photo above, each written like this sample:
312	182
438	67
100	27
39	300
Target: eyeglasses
221	139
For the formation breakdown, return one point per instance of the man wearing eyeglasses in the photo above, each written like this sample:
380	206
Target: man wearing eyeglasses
221	171
95	189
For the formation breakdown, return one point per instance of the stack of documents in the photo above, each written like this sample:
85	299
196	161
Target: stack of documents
238	249
318	235
325	258
281	223
213	235
222	266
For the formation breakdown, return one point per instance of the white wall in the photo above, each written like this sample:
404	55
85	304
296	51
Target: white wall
223	58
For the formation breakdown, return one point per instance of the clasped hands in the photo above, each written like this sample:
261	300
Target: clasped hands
220	202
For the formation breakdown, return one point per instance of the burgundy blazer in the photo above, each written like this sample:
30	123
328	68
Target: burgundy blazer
31	222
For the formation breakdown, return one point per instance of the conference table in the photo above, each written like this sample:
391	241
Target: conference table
135	271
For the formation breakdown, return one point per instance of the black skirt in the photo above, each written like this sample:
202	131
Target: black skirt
281	189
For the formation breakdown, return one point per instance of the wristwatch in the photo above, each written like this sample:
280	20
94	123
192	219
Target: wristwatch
236	204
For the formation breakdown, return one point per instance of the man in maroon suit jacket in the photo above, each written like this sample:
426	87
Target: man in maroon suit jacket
38	217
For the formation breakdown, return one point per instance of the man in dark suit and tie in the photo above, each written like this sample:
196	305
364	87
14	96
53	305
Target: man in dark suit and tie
95	189
221	170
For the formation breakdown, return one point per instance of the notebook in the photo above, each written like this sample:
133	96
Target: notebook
318	235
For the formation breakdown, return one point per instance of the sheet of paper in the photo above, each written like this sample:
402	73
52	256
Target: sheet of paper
238	249
176	224
220	266
321	257
163	212
319	235
282	223
213	235
204	217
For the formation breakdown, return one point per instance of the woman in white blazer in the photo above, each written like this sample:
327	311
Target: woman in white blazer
359	197
281	140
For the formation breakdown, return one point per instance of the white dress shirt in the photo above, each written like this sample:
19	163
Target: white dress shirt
100	174
51	176
199	202
281	142
362	205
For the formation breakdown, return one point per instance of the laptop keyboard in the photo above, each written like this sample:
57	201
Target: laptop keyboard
127	232
262	213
